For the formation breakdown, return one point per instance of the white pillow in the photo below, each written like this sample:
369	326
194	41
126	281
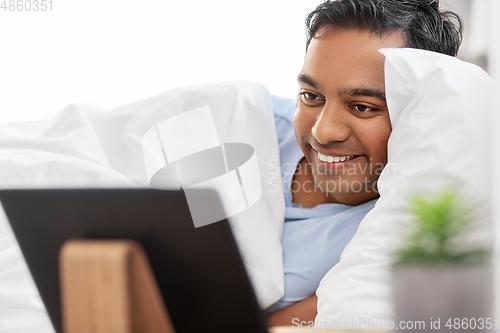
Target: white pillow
86	147
440	109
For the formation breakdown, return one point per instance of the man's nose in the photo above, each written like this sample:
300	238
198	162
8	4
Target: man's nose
331	125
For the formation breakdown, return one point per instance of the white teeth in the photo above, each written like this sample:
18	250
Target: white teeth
331	159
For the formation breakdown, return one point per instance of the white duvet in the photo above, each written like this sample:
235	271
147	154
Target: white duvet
86	147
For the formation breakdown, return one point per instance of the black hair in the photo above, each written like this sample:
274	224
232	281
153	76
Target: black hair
421	21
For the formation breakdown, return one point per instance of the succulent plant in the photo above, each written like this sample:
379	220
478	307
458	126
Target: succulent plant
440	223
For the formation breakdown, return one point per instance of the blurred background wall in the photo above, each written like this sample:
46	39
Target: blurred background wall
113	52
481	32
110	53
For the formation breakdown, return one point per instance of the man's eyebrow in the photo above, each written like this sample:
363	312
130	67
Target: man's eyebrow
367	92
307	80
377	93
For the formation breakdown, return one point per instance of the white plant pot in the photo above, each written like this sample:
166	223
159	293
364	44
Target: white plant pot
451	297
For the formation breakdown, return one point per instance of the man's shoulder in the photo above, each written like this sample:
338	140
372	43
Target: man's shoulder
283	108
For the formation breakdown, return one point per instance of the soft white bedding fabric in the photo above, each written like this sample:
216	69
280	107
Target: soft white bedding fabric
86	147
440	109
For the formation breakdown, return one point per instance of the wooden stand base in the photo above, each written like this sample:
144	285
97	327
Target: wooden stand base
109	287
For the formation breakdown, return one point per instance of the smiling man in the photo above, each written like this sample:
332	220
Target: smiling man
333	140
341	122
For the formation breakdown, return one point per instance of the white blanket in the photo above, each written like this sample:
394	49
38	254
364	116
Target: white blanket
86	147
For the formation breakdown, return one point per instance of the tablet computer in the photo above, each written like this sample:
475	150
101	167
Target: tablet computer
199	271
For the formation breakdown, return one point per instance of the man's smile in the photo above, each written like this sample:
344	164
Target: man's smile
335	159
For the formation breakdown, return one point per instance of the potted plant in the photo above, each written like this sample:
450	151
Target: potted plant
442	280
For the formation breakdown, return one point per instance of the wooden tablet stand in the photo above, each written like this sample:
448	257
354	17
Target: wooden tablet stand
109	287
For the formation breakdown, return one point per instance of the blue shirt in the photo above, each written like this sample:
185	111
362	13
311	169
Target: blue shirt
313	238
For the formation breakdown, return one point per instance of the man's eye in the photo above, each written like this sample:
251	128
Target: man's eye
309	95
310	98
363	108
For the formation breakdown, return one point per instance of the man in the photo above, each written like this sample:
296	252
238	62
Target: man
342	126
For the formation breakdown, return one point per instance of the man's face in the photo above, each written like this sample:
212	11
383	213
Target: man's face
341	122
